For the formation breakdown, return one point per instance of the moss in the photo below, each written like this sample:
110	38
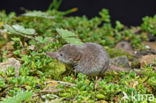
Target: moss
115	53
55	69
135	64
2	42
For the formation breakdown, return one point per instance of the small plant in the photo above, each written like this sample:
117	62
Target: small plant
21	96
149	24
55	4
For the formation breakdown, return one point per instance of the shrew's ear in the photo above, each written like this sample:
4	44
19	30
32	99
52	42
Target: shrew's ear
78	55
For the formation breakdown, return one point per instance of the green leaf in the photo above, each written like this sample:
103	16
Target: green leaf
119	26
100	96
21	29
10	29
21	96
57	100
105	15
55	4
39	14
74	41
35	13
39	39
18	29
69	36
2	82
65	33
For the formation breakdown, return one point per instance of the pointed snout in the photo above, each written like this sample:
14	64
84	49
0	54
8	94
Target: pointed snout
53	55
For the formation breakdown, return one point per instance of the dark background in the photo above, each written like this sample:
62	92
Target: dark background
129	12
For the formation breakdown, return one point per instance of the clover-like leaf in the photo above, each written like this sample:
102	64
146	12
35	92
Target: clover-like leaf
21	29
18	29
38	14
65	33
10	29
69	36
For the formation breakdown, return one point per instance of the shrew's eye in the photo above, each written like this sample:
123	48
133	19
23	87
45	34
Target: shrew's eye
61	54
